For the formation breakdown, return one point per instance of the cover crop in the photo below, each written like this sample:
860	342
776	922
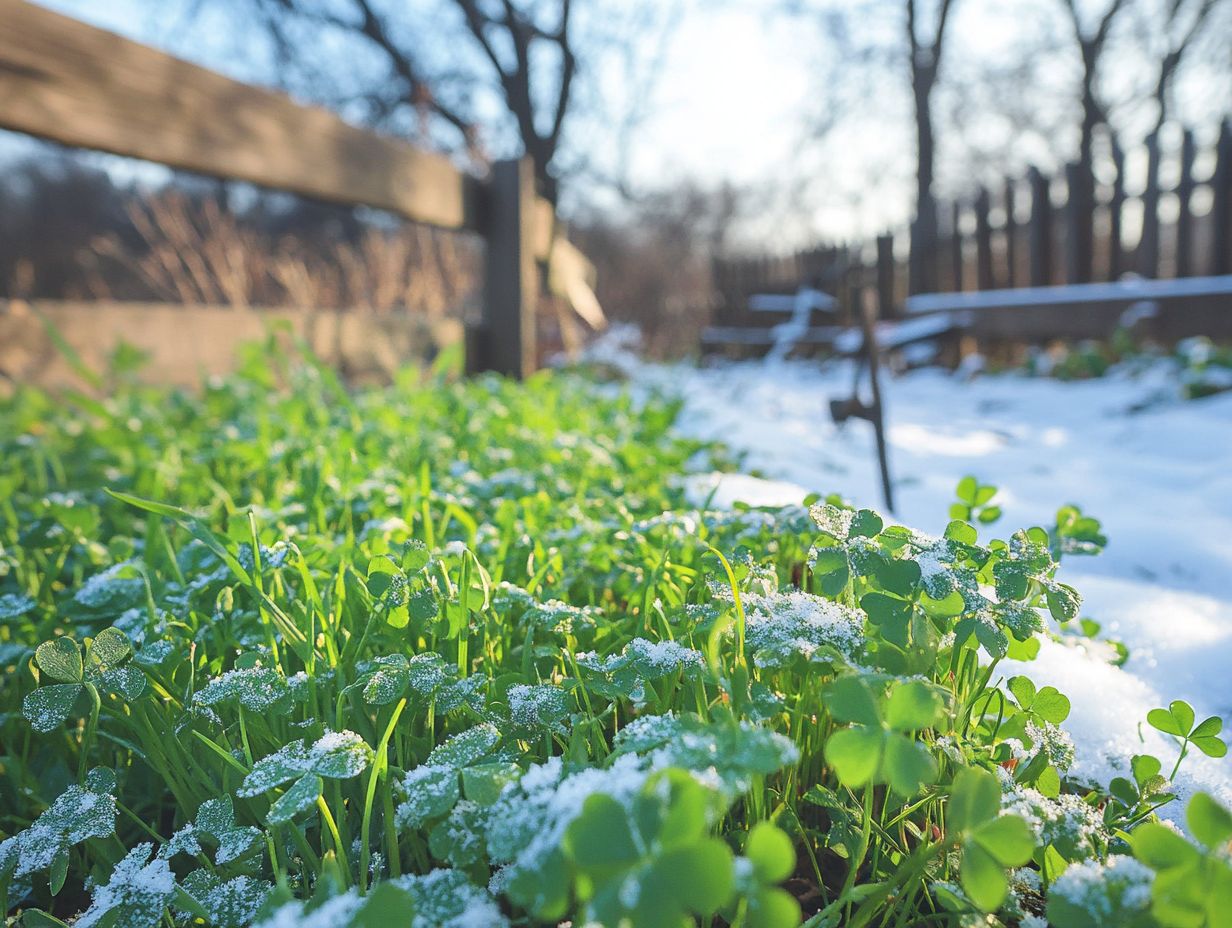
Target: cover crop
461	655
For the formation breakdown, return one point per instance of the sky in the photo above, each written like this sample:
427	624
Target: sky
738	90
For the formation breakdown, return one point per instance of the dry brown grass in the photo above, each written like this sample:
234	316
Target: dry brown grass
194	252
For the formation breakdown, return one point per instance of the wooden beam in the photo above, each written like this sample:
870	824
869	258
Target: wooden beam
506	341
64	80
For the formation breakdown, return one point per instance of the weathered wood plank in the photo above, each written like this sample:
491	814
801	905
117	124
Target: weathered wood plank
82	86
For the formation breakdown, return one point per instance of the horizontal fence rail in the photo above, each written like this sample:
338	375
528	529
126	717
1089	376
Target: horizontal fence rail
85	87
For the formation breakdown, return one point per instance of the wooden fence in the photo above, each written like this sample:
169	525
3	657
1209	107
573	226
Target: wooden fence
1021	235
63	80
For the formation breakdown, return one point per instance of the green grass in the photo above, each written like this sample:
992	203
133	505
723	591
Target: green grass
282	653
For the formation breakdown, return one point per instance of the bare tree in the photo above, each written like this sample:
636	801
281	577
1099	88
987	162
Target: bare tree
523	50
924	49
1092	42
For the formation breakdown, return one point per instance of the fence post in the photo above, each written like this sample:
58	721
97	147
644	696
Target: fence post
506	341
1040	230
1221	212
885	277
956	247
1184	195
1148	244
1011	235
983	243
1078	228
1116	207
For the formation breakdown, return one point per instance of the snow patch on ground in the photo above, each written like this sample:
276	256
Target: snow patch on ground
1157	471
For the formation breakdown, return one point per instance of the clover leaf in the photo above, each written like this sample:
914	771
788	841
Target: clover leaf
338	755
102	668
991	842
654	864
878	747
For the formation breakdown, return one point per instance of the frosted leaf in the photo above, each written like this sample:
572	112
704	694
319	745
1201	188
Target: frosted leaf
1054	742
339	754
287	763
256	688
153	653
216	820
138	892
1111	893
724	756
13	605
392	906
76	815
784	626
427	673
127	682
939	576
646	660
271	558
647	732
538	709
1076	828
832	520
562	618
459	838
448	899
48	707
183	841
531	816
468	692
101	780
115	589
301	797
430	793
388	681
232	903
1022	620
336	912
465	748
1023	561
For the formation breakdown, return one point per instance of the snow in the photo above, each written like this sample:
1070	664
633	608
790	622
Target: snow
1152	467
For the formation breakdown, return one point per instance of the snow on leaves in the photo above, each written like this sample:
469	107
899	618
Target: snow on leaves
136	894
784	626
216	821
231	903
339	755
538	709
640	662
77	814
447	899
103	668
432	789
255	688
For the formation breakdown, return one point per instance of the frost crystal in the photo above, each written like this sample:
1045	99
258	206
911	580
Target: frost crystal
1110	893
77	814
431	792
256	688
1066	821
13	605
447	899
216	820
139	890
540	708
231	904
783	626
